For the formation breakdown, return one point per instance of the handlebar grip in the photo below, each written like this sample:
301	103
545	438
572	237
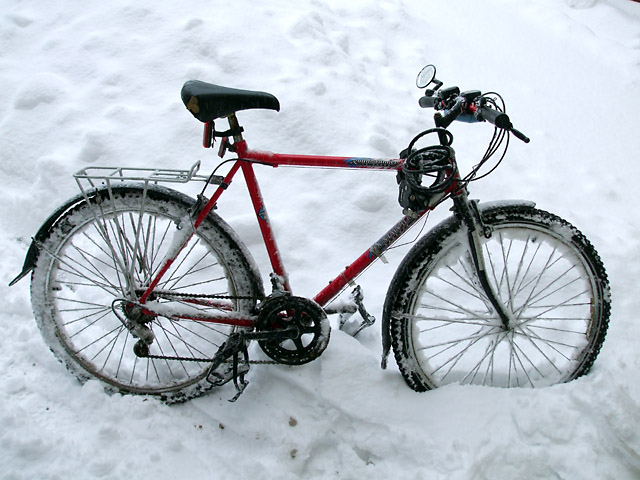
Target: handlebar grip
520	136
427	102
499	119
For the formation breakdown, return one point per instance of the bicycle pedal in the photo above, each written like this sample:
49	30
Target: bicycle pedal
353	327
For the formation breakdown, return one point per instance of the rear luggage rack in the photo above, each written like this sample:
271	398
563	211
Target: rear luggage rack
97	176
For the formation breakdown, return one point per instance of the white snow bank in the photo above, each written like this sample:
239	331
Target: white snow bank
88	84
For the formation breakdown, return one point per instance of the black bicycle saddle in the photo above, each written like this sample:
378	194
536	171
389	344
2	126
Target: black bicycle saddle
207	101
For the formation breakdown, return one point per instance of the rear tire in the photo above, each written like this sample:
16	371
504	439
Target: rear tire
103	252
444	330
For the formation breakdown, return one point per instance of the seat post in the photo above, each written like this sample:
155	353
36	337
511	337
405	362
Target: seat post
234	125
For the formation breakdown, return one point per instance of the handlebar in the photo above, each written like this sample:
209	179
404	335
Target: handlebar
452	113
427	102
471	105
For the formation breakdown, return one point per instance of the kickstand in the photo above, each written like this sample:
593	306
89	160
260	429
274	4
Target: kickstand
367	320
238	379
222	372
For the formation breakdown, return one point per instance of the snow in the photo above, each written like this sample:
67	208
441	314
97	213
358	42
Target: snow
99	84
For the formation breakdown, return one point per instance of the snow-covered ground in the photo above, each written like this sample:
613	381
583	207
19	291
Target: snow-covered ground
98	84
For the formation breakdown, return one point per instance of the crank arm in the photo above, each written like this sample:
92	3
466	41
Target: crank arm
283	334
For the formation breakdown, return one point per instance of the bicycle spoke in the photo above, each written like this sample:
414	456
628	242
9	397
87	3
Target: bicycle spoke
453	361
549	342
106	334
554	329
191	348
537	279
111	343
447	301
177	269
505	271
90	324
174	349
202	326
117	373
444	321
156	249
490	353
476	293
104	311
515	347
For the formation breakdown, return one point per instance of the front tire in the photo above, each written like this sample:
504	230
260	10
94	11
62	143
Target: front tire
444	330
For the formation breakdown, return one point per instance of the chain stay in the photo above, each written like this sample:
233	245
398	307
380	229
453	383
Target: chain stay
167	294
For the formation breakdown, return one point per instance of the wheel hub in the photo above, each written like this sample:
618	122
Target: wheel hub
136	322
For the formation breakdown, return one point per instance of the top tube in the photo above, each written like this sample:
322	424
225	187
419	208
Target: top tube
282	159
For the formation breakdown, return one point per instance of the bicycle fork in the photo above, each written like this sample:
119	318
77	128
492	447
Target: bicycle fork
467	211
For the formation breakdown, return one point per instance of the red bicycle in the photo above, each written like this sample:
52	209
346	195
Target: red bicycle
151	292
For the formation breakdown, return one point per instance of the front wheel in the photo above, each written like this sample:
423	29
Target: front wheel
547	274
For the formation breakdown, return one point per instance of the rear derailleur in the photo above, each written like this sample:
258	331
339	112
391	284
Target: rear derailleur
136	320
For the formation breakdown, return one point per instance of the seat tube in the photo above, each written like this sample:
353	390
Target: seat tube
265	225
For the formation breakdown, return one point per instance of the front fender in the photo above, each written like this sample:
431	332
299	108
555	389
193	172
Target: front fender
488	206
157	191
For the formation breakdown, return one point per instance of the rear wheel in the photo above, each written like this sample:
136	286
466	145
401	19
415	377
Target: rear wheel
96	262
547	274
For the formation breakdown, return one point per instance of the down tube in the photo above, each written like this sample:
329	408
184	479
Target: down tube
367	258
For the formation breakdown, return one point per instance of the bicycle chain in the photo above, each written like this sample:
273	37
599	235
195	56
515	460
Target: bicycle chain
204	295
208	360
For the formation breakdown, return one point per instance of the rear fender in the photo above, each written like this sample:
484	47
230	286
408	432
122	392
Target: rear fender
157	191
43	233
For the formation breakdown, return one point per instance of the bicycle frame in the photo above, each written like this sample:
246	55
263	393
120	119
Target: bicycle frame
244	163
151	292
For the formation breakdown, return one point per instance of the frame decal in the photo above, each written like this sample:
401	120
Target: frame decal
357	162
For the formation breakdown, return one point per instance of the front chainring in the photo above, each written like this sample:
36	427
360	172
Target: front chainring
304	315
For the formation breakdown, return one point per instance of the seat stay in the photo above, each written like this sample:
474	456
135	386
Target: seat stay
263	222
